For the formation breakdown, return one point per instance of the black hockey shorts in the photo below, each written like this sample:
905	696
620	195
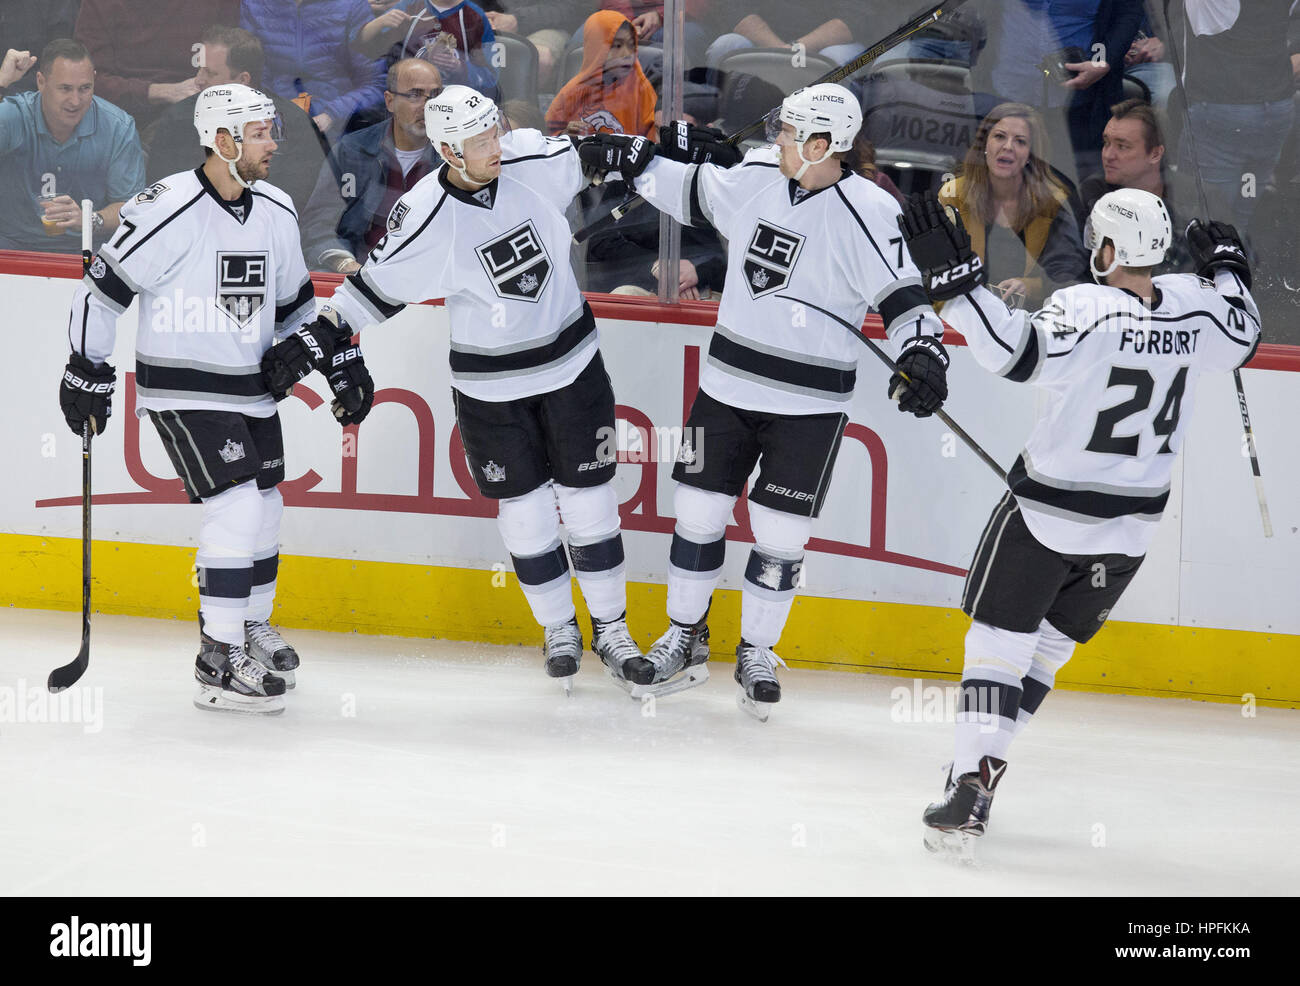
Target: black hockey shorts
214	451
797	451
1015	581
566	435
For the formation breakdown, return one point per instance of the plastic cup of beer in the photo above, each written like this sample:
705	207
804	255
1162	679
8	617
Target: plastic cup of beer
51	228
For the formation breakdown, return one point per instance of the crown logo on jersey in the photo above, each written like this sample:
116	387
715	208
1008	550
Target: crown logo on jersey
232	451
98	269
494	473
760	279
241	285
517	263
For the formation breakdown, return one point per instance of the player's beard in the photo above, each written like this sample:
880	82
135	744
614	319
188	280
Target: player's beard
253	172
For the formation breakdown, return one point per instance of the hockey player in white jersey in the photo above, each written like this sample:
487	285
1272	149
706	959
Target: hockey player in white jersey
1119	360
533	401
213	258
807	240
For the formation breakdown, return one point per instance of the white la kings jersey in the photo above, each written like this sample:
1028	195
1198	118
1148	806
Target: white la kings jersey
792	256
500	256
1120	377
216	280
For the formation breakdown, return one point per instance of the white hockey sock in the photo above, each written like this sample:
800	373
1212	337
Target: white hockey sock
227	537
1053	651
530	528
996	661
590	516
767	594
266	558
698	549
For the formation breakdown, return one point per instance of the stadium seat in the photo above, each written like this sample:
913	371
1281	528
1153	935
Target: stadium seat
516	66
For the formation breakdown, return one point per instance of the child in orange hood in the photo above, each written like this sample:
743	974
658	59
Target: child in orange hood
610	93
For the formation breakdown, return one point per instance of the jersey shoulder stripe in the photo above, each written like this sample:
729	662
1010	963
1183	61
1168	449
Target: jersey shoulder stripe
286	206
162	225
858	218
420	229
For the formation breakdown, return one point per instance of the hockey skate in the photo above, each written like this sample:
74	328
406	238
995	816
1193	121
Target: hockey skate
619	653
231	681
756	675
676	661
953	824
562	650
265	646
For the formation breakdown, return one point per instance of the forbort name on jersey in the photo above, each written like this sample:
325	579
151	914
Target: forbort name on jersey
1160	342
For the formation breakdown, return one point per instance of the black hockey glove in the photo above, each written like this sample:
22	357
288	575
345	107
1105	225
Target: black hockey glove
288	361
627	155
354	390
1216	246
940	247
86	394
924	362
689	144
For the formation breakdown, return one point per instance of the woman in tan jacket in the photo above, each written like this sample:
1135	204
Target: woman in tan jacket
1018	214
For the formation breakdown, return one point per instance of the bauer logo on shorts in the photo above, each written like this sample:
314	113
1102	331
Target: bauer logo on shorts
770	258
241	285
517	263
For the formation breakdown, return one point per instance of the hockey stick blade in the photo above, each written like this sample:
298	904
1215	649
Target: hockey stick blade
837	74
941	414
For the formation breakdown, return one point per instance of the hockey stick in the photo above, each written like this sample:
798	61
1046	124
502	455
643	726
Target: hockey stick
1190	136
69	674
941	414
834	75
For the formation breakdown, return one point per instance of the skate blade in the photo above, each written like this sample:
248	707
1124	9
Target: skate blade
566	685
290	678
958	847
213	699
759	710
689	677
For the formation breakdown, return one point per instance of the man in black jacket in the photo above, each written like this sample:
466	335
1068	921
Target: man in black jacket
231	54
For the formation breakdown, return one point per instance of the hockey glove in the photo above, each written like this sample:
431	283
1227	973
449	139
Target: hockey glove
924	363
627	155
86	393
287	362
940	247
1216	246
354	390
681	141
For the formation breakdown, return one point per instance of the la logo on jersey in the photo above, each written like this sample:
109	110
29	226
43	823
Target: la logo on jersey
517	263
770	258
241	285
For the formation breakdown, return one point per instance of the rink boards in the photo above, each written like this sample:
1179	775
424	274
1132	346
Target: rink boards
385	532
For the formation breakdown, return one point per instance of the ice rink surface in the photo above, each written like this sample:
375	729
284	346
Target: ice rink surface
407	766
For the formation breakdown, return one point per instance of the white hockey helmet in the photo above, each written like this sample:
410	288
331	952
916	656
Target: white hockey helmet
457	114
1136	222
231	107
825	108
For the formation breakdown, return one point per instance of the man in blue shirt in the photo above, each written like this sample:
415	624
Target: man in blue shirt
66	144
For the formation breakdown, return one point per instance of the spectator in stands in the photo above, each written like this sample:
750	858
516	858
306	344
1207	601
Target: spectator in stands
367	172
307	55
610	93
781	24
647	17
861	160
231	54
1239	84
1018	214
29	25
1067	56
548	24
1133	156
523	114
455	36
1146	61
143	50
65	144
